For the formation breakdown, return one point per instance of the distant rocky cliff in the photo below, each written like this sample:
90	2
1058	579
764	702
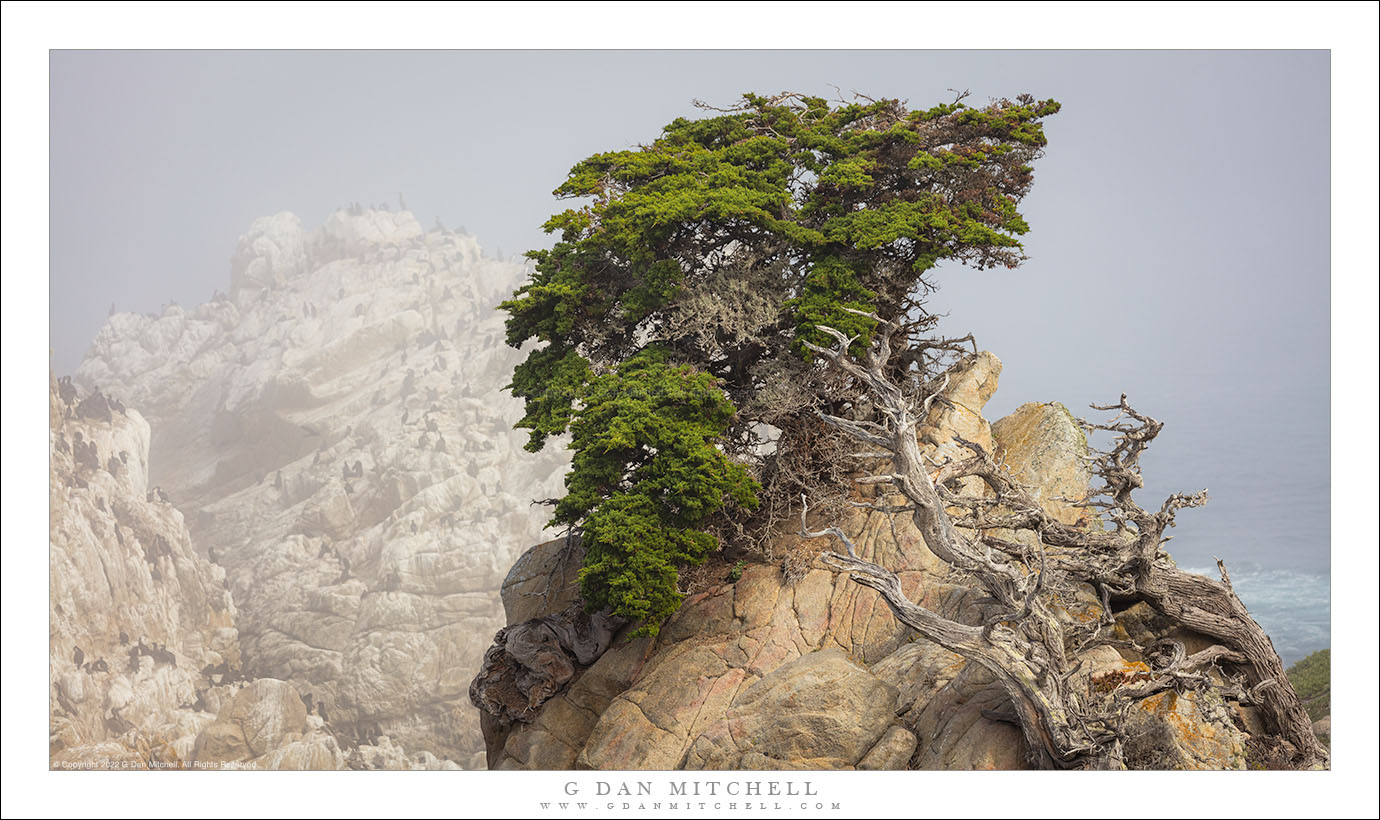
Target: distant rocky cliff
136	613
281	519
334	433
764	671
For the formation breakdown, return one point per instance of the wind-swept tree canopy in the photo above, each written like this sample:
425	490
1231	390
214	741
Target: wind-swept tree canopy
673	315
735	324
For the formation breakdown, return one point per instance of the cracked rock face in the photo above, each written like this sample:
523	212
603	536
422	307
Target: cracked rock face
765	674
335	432
145	658
817	711
136	613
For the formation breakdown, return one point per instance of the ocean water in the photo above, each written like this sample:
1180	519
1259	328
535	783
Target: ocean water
1263	455
1261	447
1293	607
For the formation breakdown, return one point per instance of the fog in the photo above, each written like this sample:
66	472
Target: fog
1180	214
325	397
1178	252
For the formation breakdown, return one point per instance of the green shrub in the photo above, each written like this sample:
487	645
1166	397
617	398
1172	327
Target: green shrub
645	478
670	315
737	572
1312	680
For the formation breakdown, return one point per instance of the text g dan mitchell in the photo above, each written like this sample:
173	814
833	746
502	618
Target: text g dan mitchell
696	788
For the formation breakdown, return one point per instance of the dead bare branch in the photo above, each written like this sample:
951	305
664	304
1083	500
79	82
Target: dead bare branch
1023	643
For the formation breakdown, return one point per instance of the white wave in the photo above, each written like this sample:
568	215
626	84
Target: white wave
1294	608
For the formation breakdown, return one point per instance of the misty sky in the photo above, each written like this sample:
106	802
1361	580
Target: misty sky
1180	218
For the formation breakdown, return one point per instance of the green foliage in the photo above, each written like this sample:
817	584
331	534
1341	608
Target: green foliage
735	574
550	379
661	373
830	289
646	476
1312	680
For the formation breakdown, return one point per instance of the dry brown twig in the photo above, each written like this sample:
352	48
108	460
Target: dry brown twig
1025	645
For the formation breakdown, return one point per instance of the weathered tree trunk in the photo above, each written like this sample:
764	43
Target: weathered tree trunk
1024	644
1212	608
1039	709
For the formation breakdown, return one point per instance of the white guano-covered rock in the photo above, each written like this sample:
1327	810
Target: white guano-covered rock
337	435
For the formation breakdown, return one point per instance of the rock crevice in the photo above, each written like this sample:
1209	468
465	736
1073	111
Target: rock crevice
762	673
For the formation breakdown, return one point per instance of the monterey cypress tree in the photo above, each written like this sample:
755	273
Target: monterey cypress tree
735	324
672	318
